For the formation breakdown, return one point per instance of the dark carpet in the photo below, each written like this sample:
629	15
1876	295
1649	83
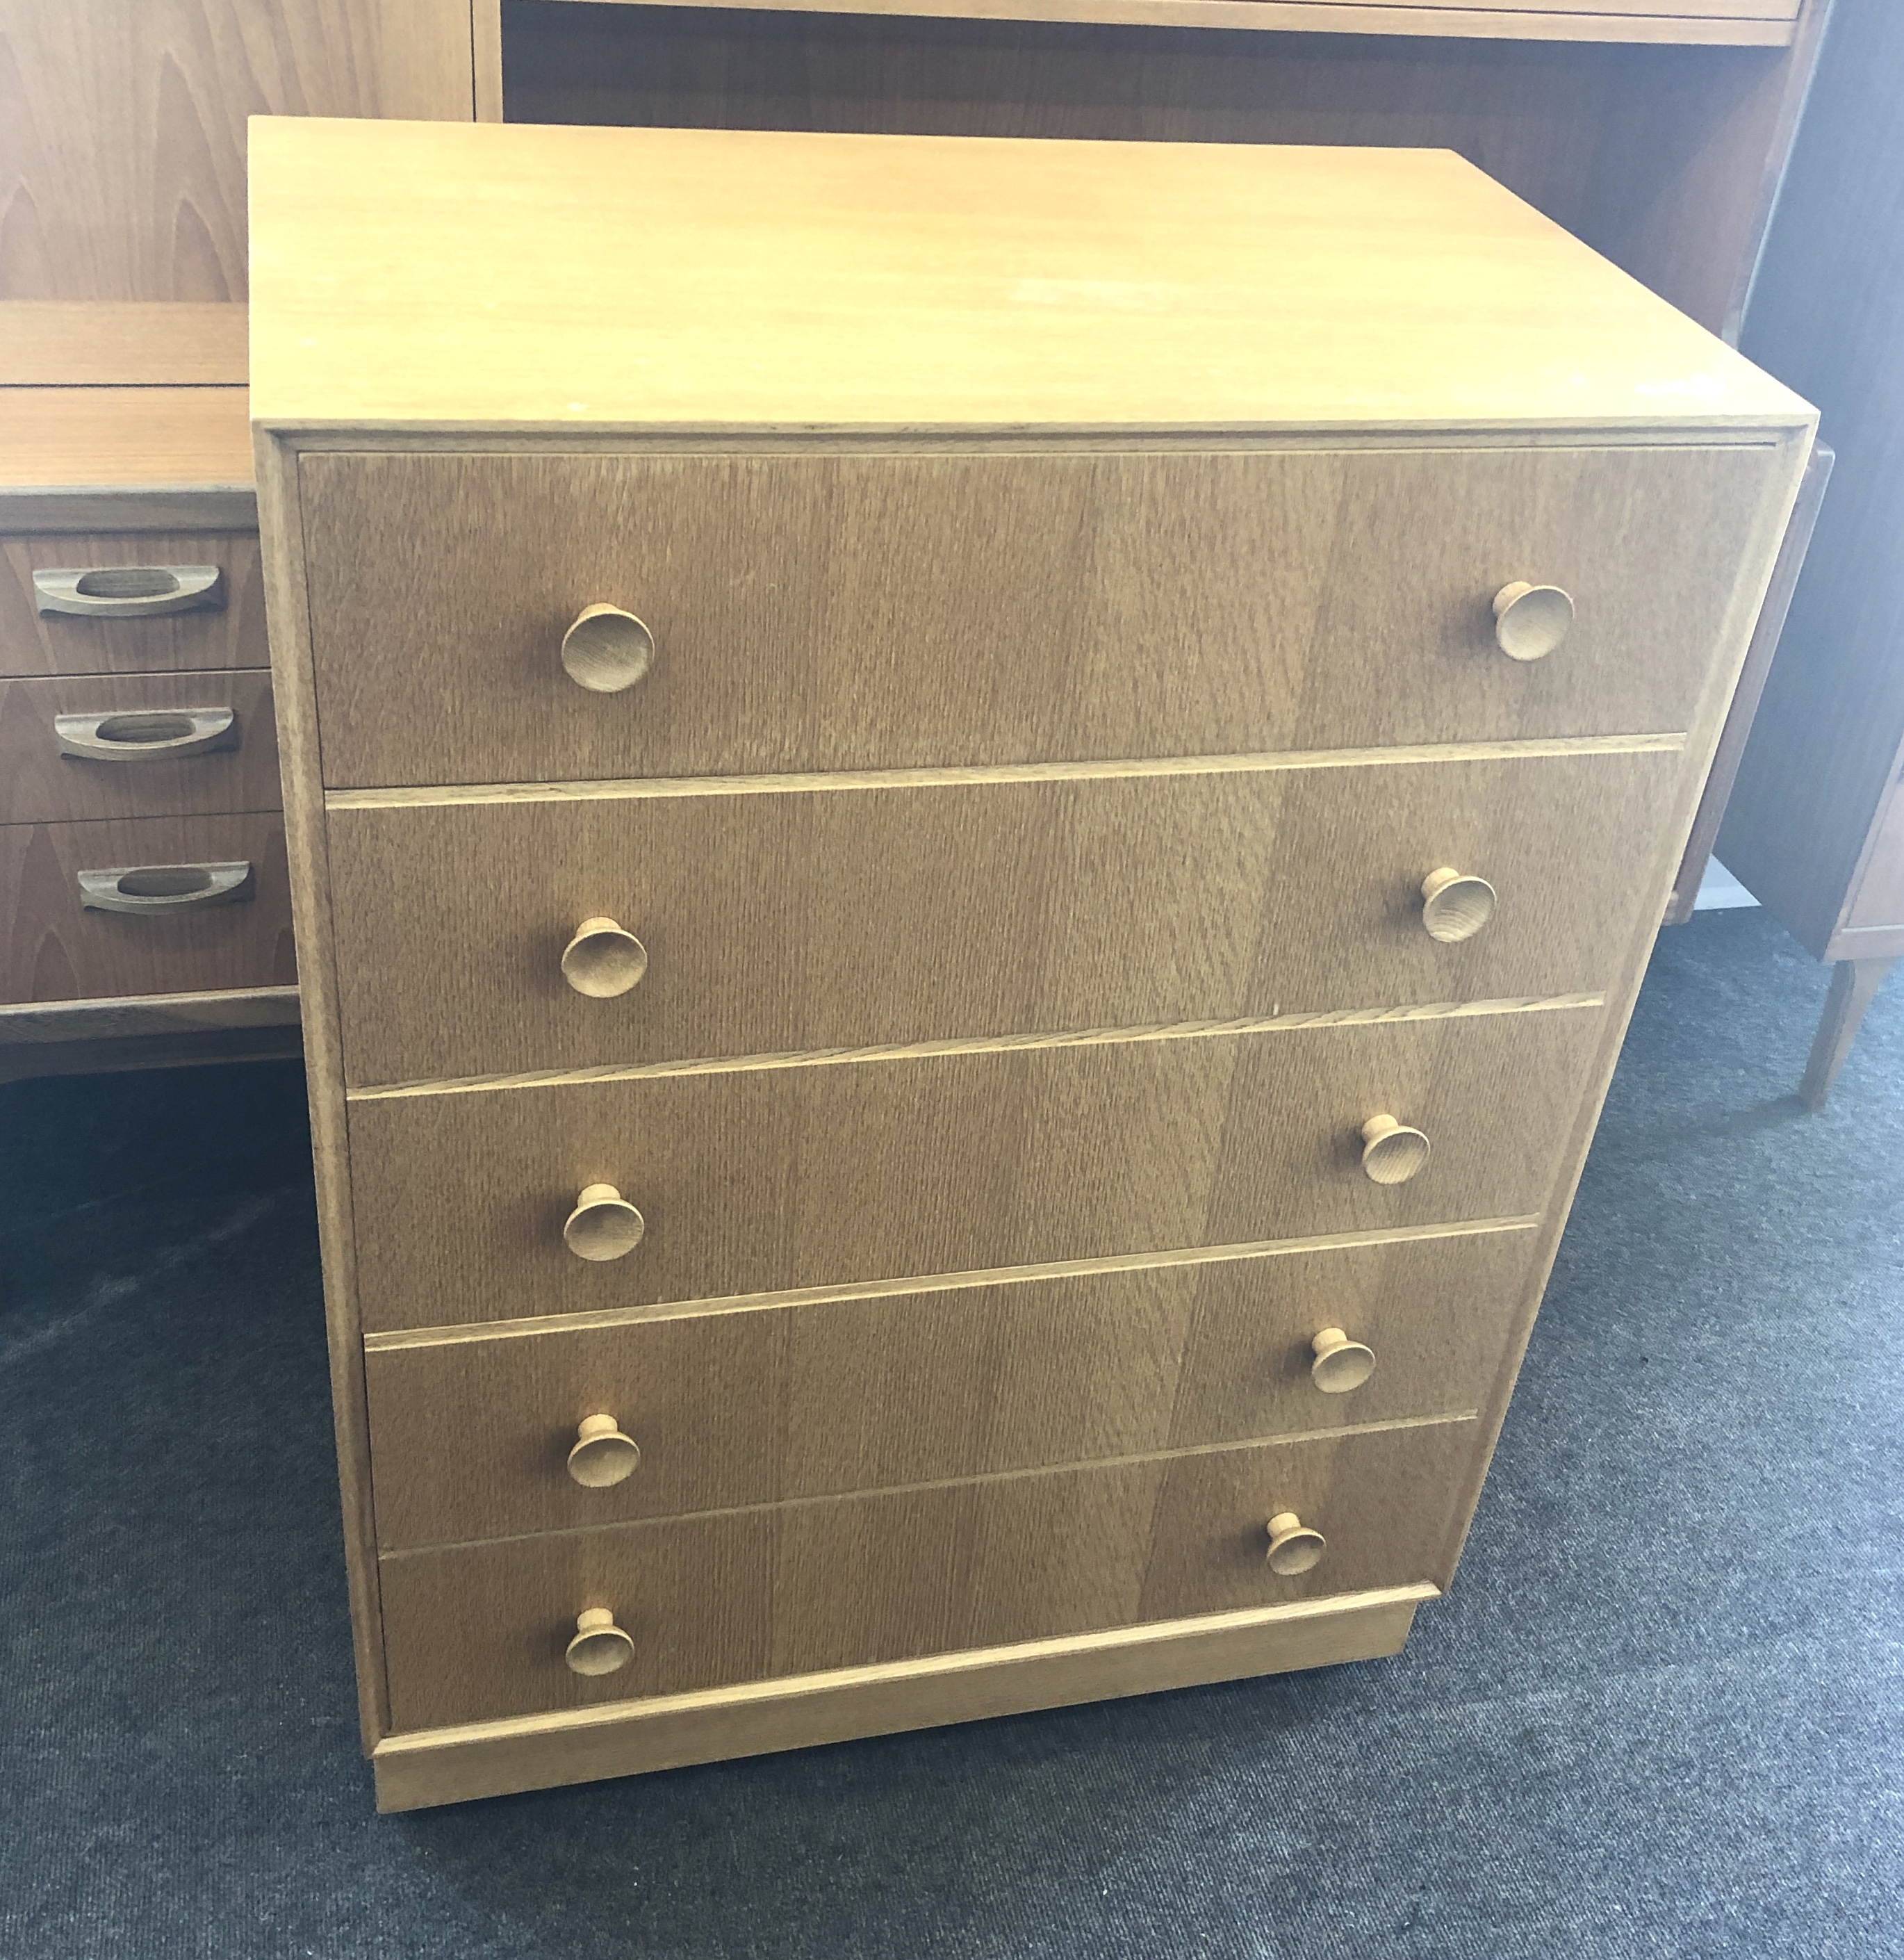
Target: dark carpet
1659	1715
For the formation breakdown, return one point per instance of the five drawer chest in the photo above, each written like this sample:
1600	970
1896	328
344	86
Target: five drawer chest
972	825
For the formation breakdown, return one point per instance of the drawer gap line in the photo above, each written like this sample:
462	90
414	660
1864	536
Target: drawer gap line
392	1339
809	1501
928	1051
965	775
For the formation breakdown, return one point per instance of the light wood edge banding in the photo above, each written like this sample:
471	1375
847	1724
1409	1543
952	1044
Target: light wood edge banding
294	693
148	1014
755	1718
740	1064
630	789
393	1339
1765	29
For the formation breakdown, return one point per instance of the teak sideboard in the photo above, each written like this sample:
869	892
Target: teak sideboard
972	825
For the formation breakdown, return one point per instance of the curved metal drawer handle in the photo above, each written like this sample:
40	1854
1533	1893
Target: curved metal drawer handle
164	888
130	591
146	734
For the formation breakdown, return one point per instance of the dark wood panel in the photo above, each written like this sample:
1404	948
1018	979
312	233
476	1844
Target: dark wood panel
122	126
38	785
1662	158
55	950
479	1631
35	643
470	1440
754	1179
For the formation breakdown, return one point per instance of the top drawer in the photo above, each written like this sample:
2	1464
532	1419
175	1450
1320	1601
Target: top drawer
827	611
139	622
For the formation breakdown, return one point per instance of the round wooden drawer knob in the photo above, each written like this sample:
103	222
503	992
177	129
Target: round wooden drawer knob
600	1646
607	649
603	1225
603	959
1391	1152
1294	1547
1530	621
602	1454
1454	907
1340	1364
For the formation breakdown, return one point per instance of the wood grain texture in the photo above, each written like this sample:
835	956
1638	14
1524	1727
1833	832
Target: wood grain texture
469	1441
39	785
122	147
1180	604
34	643
59	439
786	1177
1737	731
477	1632
1854	986
1701	23
56	343
925	282
868	918
451	1765
1828	310
1665	159
55	951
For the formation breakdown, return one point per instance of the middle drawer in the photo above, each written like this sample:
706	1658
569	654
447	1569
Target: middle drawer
484	1438
754	1179
829	917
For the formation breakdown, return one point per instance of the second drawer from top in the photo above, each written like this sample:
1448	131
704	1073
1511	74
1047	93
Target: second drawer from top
771	923
827	611
490	1205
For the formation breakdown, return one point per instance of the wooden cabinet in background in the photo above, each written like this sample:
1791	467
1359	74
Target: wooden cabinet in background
122	125
1815	827
145	904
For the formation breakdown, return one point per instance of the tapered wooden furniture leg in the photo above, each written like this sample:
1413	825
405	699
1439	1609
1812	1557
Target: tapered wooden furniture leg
1854	985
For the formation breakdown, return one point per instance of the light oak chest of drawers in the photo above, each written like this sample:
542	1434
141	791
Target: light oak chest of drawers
973	825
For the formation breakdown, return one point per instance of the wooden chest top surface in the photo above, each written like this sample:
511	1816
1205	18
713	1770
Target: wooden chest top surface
438	277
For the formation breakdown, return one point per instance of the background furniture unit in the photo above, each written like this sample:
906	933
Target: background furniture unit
1655	132
122	141
1815	829
715	1230
137	735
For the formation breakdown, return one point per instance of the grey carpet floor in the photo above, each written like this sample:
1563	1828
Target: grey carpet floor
1660	1713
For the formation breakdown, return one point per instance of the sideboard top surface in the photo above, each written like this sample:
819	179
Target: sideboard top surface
437	277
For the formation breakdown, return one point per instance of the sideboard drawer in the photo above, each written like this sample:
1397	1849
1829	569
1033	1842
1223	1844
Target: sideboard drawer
195	925
833	918
825	612
474	1438
480	1631
824	1173
135	628
109	745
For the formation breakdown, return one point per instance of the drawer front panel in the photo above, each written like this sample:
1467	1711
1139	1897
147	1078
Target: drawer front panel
470	1440
831	918
232	635
132	777
827	611
478	1631
754	1179
56	949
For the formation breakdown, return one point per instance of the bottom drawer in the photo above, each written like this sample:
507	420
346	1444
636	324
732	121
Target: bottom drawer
196	928
480	1631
